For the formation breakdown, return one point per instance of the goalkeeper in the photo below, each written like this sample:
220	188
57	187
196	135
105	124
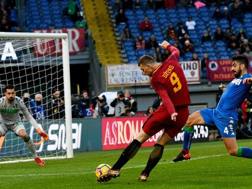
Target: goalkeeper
10	106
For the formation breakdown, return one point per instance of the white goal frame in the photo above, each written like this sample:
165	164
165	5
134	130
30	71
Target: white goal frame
66	74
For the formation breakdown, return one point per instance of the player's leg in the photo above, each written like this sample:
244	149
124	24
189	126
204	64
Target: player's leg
20	131
199	117
233	149
128	153
171	129
3	130
155	156
227	127
151	126
131	150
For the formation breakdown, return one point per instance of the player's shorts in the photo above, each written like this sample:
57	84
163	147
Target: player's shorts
13	127
226	125
161	119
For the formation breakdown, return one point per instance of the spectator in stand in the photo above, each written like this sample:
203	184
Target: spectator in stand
159	4
206	37
140	43
247	6
233	42
152	43
120	17
75	99
117	5
228	34
85	104
195	57
80	22
145	25
218	34
185	3
203	66
126	34
190	23
137	4
170	4
127	4
171	34
119	104
56	107
241	35
39	112
246	47
184	38
150	4
131	103
71	10
29	102
226	14
5	25
217	14
182	30
101	107
236	10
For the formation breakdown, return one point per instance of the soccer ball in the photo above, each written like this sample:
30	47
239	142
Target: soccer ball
102	170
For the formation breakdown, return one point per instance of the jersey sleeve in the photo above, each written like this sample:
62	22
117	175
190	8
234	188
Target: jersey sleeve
162	92
174	52
27	114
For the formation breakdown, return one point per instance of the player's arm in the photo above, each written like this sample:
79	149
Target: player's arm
247	80
162	92
173	50
34	123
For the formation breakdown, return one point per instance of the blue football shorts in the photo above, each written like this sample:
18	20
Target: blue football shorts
226	125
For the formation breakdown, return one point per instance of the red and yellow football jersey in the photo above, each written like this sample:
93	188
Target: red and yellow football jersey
169	82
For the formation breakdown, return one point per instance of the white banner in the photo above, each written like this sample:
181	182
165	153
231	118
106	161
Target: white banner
125	74
191	71
130	74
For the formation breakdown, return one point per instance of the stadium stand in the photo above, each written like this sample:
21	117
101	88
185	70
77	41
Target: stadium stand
205	20
8	16
44	14
102	31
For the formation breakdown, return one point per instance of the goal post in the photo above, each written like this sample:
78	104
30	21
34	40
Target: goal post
38	63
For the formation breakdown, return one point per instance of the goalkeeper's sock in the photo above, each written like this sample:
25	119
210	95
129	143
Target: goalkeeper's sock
188	134
154	158
244	152
30	145
127	154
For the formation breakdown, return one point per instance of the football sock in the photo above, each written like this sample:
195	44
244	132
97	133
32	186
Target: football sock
244	152
127	154
30	145
188	134
154	158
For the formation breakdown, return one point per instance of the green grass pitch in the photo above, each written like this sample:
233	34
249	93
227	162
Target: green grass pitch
210	168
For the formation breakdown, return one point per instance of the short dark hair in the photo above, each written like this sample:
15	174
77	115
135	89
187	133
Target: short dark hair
8	87
146	59
241	59
84	91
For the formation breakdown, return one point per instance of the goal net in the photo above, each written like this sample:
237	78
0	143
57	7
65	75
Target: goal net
37	65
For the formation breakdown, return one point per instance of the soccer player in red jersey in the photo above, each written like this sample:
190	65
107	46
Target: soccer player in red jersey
169	82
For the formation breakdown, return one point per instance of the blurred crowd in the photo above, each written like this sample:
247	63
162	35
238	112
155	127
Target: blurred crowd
8	16
236	40
40	108
123	104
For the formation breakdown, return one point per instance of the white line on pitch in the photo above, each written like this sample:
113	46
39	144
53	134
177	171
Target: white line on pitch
92	172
